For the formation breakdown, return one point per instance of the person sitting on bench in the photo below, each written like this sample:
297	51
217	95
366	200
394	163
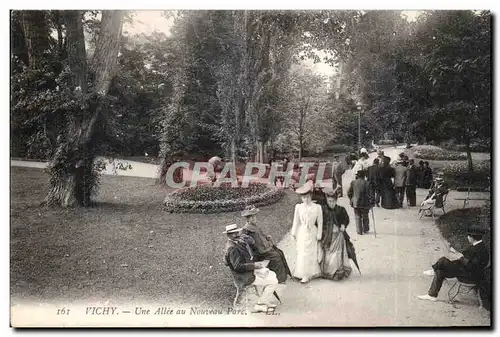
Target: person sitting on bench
262	246
470	265
245	271
435	192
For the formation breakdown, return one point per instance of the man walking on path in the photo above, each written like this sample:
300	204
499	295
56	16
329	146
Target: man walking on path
359	195
411	183
400	182
381	157
338	169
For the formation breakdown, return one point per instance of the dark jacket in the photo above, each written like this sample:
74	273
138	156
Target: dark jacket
475	259
359	193
373	176
332	217
411	176
262	245
240	262
338	170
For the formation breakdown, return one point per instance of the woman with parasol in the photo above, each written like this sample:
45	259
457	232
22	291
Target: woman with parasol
336	244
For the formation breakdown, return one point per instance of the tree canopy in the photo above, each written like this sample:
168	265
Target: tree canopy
235	84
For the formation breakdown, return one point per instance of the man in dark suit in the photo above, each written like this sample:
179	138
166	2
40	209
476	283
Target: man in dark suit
373	179
411	183
246	270
359	194
381	157
468	267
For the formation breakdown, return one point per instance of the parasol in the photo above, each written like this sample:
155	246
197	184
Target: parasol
351	252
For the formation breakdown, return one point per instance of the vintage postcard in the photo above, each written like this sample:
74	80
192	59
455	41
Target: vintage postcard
250	168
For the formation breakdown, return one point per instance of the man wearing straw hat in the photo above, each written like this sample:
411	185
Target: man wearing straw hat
245	271
263	247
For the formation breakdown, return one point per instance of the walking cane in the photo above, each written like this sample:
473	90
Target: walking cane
373	220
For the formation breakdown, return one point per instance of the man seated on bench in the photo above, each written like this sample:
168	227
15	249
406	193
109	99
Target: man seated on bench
469	266
262	246
245	271
436	193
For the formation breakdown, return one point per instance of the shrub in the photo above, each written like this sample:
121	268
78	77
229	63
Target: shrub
386	142
225	198
457	174
478	146
429	152
339	148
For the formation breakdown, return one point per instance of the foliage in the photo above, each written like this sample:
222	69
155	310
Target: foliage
339	148
458	175
225	198
306	105
387	142
424	79
436	153
452	145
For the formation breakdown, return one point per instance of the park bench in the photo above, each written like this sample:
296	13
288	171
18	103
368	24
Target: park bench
440	203
470	189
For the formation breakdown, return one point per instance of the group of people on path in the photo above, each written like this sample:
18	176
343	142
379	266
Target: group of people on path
322	247
390	182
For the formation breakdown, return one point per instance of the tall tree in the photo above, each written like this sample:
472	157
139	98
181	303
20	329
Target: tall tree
306	103
73	178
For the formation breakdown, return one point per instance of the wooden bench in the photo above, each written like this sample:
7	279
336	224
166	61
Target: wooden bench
471	189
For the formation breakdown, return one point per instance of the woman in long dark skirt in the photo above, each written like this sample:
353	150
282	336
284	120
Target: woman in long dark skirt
420	174
387	192
427	176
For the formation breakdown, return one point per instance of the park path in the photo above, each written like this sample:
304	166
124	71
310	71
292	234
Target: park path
385	293
138	169
391	265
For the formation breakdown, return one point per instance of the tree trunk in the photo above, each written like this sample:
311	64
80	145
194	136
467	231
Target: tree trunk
58	18
73	179
300	148
36	35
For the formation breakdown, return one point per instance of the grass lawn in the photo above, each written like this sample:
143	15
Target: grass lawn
455	223
124	248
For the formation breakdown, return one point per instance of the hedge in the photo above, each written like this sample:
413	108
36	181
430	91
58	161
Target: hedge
457	174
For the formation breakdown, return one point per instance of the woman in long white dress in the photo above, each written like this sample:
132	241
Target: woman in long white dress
307	230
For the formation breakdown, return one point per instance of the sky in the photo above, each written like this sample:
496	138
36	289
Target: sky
147	22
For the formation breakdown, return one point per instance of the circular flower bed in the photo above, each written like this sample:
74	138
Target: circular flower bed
224	198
